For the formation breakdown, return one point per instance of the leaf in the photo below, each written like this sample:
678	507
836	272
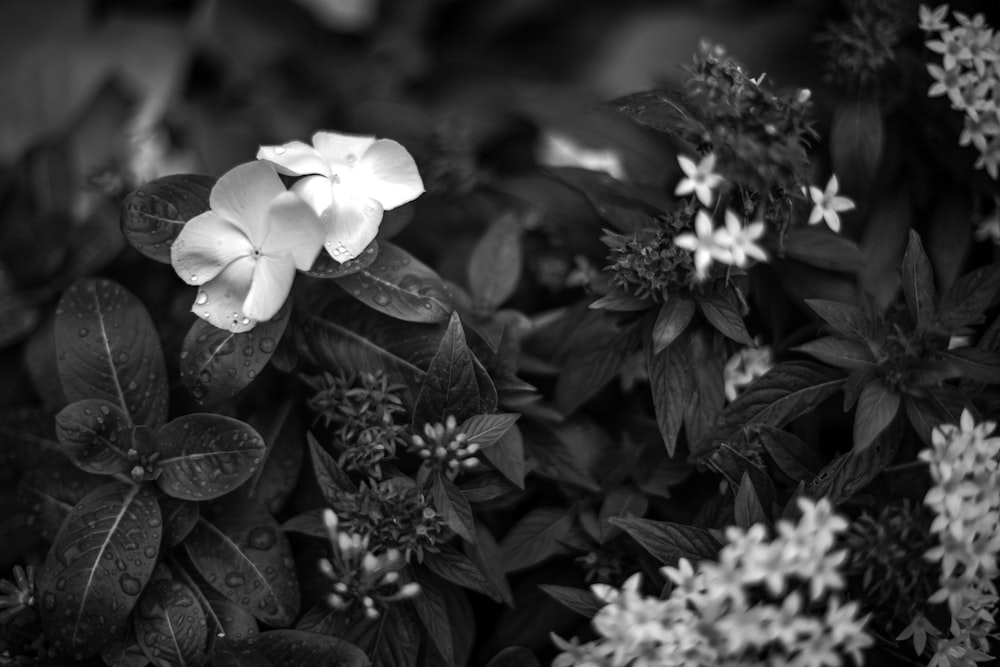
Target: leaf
296	648
857	141
747	506
391	640
849	473
823	249
206	455
584	374
965	302
668	542
621	501
673	318
732	464
432	610
92	433
949	244
452	506
499	442
918	282
310	523
514	656
98	565
153	215
170	625
450	386
488	487
235	620
400	286
840	352
661	109
621	301
672	386
721	314
241	551
179	518
793	456
707	355
485	553
330	476
47	495
327	267
877	407
628	207
582	601
123	650
108	349
275	479
216	364
845	319
495	264
452	566
535	537
231	654
975	363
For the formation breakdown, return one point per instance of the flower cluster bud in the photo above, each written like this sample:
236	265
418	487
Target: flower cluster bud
445	448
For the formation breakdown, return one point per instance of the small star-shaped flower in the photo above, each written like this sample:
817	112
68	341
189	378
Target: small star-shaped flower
699	178
704	245
741	241
932	20
827	204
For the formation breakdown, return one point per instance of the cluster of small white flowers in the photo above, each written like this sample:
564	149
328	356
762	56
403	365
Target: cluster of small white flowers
966	500
746	366
360	575
969	75
733	243
709	617
445	447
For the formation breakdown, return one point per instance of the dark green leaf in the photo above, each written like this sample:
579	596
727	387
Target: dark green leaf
170	625
965	302
857	381
400	286
241	551
98	565
216	364
663	110
179	519
845	319
823	249
432	608
327	267
747	504
514	656
621	501
792	455
943	406
450	386
672	386
721	314
452	566
235	620
206	455
535	538
840	352
485	553
500	443
621	301
918	282
108	348
47	495
849	473
734	465
553	457
708	398
226	653
857	140
495	264
975	363
154	215
296	648
488	487
877	407
453	507
124	651
673	318
585	373
628	207
668	542
582	601
330	476
310	523
275	479
92	433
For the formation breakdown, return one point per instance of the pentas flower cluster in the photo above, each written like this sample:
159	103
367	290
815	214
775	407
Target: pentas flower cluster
360	575
244	251
969	76
966	501
711	616
445	448
744	367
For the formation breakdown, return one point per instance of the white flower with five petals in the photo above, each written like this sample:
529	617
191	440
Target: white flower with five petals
704	244
700	178
243	251
350	181
741	241
827	204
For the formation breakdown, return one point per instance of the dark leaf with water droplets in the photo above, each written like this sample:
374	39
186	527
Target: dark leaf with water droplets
216	364
274	480
668	542
109	349
229	654
236	621
98	565
170	625
205	455
327	267
154	215
495	264
47	495
242	552
297	648
450	386
400	286
92	433
179	518
331	477
124	650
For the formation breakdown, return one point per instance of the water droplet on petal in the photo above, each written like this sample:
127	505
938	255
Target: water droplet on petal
130	585
266	345
202	298
279	150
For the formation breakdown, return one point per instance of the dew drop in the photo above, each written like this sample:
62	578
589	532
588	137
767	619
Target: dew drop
83	332
261	538
130	585
202	298
234	580
381	299
205	377
266	345
193	278
279	150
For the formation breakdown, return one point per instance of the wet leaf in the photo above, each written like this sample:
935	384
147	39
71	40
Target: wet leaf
400	286
327	267
124	650
274	480
170	625
216	364
450	386
230	654
98	565
495	264
236	621
92	433
241	551
179	518
535	538
205	455
109	349
296	648
668	542
47	495
153	215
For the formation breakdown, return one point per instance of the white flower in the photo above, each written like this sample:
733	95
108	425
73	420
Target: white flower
350	180
744	367
344	15
988	229
560	150
933	20
243	251
699	178
827	204
704	245
740	240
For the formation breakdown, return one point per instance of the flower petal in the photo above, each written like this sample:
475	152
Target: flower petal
294	159
340	150
317	191
391	174
220	301
352	223
816	214
296	231
272	281
687	165
206	245
243	195
703	226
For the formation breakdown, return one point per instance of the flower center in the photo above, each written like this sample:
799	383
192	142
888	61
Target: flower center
256	253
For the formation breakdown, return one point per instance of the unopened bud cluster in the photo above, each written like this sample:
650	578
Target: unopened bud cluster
443	447
647	263
362	575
